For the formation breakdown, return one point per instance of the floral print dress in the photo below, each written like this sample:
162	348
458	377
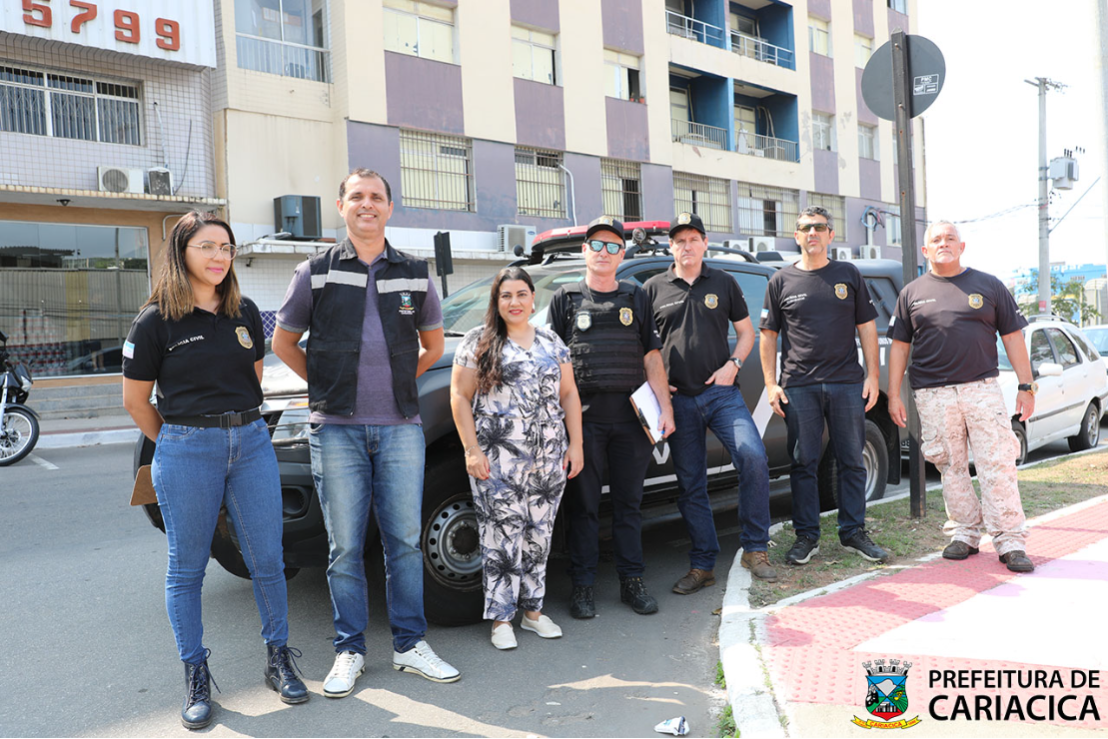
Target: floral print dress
521	429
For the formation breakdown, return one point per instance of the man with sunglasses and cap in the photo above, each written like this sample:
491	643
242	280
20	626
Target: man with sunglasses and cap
694	305
816	305
609	328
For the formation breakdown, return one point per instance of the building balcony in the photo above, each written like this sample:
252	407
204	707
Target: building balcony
699	134
757	145
691	28
761	50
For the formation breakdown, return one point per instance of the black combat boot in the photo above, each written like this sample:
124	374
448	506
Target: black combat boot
280	674
197	711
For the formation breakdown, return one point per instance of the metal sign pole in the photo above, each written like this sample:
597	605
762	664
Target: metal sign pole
902	87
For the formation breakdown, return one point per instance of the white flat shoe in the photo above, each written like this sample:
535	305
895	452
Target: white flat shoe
543	626
504	637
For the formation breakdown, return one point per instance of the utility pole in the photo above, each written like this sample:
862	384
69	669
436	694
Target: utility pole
1044	195
1100	11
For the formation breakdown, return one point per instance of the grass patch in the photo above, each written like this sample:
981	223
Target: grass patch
1044	488
726	726
721	681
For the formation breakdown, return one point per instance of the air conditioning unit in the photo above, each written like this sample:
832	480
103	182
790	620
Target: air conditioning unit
159	181
510	236
841	253
742	244
762	243
298	215
118	179
870	252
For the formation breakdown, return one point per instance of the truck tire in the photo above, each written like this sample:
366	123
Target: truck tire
453	594
875	457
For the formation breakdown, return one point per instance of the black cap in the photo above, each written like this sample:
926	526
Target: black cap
686	220
605	223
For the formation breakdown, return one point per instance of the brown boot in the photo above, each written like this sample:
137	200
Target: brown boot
695	580
759	566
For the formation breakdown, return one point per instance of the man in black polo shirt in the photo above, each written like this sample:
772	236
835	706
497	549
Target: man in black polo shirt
693	307
950	317
609	329
815	305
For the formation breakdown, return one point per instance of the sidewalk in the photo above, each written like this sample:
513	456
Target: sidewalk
59	433
796	668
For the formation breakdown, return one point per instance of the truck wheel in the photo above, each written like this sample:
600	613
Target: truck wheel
875	458
452	589
1089	435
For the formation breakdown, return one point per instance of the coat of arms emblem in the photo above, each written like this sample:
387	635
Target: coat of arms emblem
886	694
711	300
976	301
840	291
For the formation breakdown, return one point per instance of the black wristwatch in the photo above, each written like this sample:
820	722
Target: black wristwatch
1025	387
736	361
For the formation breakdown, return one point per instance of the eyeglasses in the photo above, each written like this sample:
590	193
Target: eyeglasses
598	246
817	227
209	249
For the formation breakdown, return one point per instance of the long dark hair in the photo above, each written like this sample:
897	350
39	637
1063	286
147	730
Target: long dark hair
491	345
173	292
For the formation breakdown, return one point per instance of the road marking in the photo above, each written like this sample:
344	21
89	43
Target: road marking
42	462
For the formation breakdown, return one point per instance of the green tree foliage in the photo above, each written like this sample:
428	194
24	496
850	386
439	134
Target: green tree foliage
1067	299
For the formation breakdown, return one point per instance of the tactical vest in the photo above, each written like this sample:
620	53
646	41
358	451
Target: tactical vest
339	282
605	340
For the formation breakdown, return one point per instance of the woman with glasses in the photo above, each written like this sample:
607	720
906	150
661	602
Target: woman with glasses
202	342
513	398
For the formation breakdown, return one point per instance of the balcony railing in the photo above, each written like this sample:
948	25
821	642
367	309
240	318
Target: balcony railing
761	50
757	145
699	134
283	58
705	33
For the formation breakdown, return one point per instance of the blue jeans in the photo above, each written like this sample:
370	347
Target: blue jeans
359	469
842	407
721	409
196	471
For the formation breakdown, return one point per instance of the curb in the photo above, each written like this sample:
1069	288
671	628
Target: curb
754	704
96	437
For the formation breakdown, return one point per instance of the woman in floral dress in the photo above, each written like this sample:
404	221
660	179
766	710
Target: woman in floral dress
514	398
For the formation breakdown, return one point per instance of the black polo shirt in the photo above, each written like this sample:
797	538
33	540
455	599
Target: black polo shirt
693	321
203	364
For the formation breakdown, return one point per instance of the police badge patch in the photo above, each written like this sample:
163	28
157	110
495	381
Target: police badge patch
626	316
840	291
584	321
684	219
711	300
243	335
976	301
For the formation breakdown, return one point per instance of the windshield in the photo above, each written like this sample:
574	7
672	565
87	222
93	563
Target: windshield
1099	337
466	308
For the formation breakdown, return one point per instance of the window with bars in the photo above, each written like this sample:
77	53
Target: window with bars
621	76
67	106
767	211
419	29
823	132
819	36
867	141
540	183
533	55
707	197
836	206
436	171
283	37
621	185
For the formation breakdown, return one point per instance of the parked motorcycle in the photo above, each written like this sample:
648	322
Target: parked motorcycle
18	423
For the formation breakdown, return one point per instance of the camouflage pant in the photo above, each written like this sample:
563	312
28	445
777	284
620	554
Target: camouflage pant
974	411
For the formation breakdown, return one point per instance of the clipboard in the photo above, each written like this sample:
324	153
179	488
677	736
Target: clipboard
648	410
144	494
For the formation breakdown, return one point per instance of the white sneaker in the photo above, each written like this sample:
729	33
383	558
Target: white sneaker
422	660
340	680
542	626
504	637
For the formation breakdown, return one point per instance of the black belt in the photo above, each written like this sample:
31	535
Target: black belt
223	421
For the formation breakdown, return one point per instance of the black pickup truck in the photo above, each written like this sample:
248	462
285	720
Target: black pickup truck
450	542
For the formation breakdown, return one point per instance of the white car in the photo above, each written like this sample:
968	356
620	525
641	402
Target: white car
1098	337
1073	387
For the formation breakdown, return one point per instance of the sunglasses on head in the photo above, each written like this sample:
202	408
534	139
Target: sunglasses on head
817	227
598	246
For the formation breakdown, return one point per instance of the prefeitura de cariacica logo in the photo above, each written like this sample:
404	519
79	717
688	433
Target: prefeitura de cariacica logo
886	695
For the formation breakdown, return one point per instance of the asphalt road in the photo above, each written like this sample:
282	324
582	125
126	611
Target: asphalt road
87	649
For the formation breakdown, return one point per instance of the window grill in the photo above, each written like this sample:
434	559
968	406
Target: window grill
836	206
621	184
540	183
436	171
707	197
64	106
767	211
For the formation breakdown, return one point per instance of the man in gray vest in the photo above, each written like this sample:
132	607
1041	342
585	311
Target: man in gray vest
609	328
376	325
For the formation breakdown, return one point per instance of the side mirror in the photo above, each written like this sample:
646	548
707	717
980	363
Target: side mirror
1050	369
